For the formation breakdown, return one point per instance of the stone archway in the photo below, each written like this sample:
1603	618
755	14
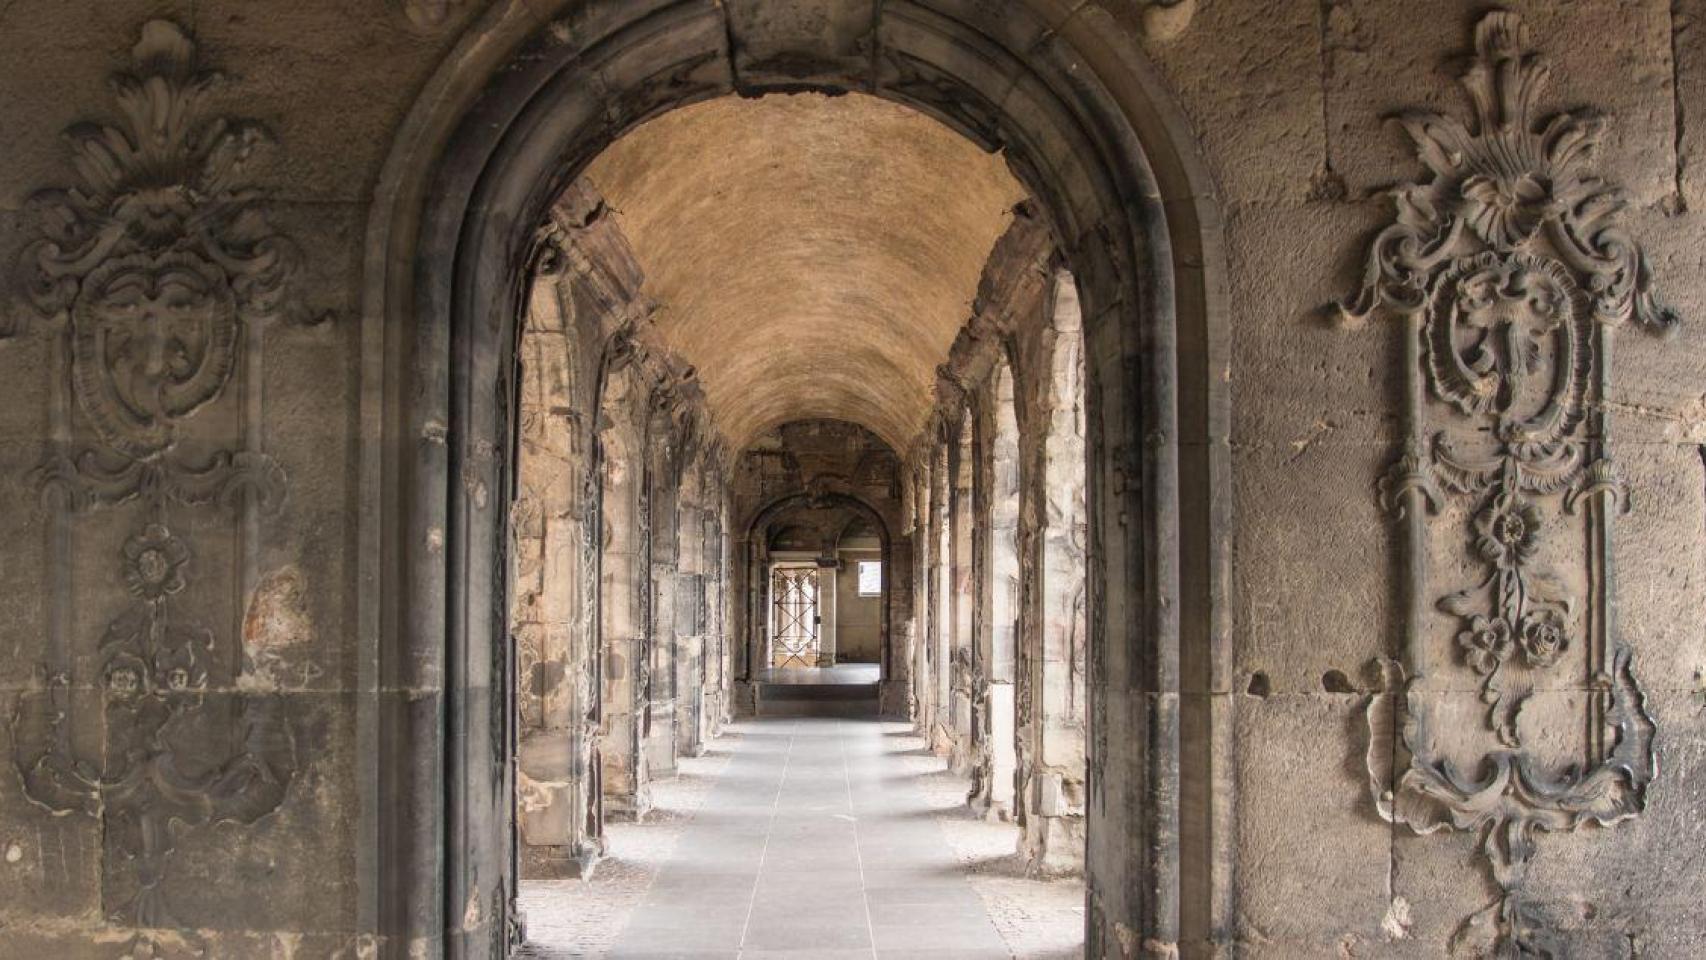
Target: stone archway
520	107
798	508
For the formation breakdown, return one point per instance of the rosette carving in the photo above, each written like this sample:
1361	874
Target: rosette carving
1510	272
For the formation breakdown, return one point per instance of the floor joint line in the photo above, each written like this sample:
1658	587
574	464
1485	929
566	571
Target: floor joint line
858	855
764	852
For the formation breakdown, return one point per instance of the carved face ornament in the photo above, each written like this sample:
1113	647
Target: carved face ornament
124	678
1510	309
177	663
1507	338
154	215
154	339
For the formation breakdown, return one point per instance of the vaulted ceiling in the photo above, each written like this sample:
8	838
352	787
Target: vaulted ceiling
812	256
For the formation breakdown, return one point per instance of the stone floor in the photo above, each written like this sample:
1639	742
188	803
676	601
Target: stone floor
808	838
838	674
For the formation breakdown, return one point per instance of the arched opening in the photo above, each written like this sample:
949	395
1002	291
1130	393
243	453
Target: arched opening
494	143
806	552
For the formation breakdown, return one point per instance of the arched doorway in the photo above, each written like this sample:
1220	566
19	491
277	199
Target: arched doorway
808	530
515	114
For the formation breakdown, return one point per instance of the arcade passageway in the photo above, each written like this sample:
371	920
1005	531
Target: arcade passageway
833	352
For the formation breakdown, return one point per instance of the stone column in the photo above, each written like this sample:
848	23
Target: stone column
551	599
691	673
1055	824
961	626
621	630
826	614
660	726
1001	583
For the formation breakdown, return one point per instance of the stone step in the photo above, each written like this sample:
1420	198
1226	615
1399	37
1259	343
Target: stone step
817	700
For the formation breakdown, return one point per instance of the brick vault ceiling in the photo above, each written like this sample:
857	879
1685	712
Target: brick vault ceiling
812	256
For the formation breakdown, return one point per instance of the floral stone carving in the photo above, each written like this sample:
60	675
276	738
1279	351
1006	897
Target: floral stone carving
1510	274
151	275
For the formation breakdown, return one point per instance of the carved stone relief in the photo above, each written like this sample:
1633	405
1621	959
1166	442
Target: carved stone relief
154	275
1510	274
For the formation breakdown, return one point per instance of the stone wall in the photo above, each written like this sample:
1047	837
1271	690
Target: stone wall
1310	170
203	713
858	619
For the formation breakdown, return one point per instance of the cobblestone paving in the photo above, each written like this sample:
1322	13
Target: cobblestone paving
1035	919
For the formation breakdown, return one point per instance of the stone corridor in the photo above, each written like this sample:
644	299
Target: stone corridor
808	838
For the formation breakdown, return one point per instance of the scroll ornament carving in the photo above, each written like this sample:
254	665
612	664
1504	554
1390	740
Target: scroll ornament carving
151	270
157	261
1511	272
